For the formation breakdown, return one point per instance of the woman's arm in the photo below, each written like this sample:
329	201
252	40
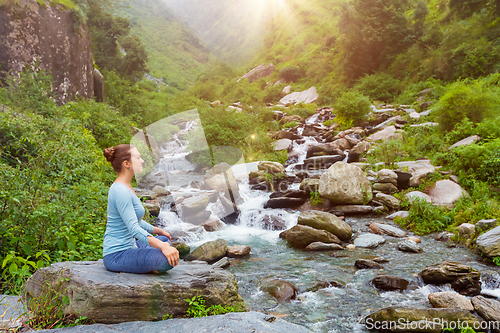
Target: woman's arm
162	232
168	251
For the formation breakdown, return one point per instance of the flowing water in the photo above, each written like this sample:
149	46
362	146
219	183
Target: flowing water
331	309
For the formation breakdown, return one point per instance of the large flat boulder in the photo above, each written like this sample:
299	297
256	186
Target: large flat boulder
345	183
242	322
450	299
489	243
464	279
326	221
109	297
209	251
306	97
446	193
300	236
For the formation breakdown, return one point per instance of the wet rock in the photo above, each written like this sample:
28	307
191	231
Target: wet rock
386	188
444	236
419	173
387	176
409	245
160	190
369	241
326	284
487	308
238	251
289	135
222	263
272	222
345	183
152	209
350	247
466	142
446	193
213	224
326	221
367	264
417	195
282	234
183	249
390	283
466	230
209	251
183	235
193	205
353	209
433	320
300	236
289	119
321	162
484	225
414	238
221	178
309	185
388	200
468	286
385	229
464	279
109	297
402	214
307	96
450	299
284	202
319	246
271	167
282	144
489	243
283	291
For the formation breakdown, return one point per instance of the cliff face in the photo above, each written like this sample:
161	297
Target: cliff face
29	32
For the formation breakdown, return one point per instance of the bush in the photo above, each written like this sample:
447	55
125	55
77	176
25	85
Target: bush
292	73
352	108
425	218
381	87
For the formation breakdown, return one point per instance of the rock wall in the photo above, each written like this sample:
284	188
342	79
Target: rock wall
29	32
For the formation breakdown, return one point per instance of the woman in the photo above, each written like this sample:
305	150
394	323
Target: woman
121	251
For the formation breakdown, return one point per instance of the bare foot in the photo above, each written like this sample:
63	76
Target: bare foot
154	272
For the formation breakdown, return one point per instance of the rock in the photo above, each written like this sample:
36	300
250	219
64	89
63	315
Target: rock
466	230
326	221
99	87
325	284
444	236
487	308
258	72
390	283
160	191
300	236
345	183
414	239
385	188
145	194
350	247
358	150
445	192
189	233
402	214
221	178
222	263
272	222
319	246
454	179
417	195
431	320
388	200
271	167
369	241
466	142
193	205
409	245
238	251
152	209
425	125
306	97
286	90
283	291
386	134
13	313
321	162
403	179
282	144
213	224
489	243
309	185
484	225
464	279
109	297
385	229
209	251
419	173
367	264
289	119
183	249
387	176
284	202
450	299
289	135
414	115
354	209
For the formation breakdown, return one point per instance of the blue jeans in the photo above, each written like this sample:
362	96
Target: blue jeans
144	259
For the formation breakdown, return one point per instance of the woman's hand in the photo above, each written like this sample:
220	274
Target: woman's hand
161	232
171	254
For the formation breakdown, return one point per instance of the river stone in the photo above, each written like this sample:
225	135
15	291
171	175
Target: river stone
222	263
241	322
160	190
300	236
466	142
367	264
13	313
354	209
450	299
387	188
238	251
356	151
488	308
322	150
484	225
183	249
326	221
284	202
385	229
416	195
409	245
402	319
445	192
153	209
403	214
282	144
464	279
272	222
109	297
221	178
213	224
271	167
321	162
414	238
489	243
466	230
419	172
345	183
193	205
319	246
283	291
388	200
309	185
387	176
209	251
389	283
369	241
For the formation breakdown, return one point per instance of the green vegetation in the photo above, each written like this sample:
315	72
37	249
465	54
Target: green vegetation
315	198
352	109
197	308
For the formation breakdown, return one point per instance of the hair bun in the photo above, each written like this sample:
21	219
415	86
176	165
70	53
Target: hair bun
109	153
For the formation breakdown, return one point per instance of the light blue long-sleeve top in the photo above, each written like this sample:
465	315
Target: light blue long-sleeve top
125	224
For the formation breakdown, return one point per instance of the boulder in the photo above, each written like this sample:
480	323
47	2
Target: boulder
466	230
271	167
409	245
283	291
414	115
272	222
160	191
450	299
213	224
284	202
387	176
369	241
429	124
152	209
431	320
445	192
323	150
109	297
222	263
367	264
258	72
466	142
186	234
306	97
221	178
321	162
326	221
414	238
487	308
388	200
388	133
489	243
300	236
319	246
183	249
353	209
209	251
309	185
282	144
390	283
289	135
345	183
356	151
402	214
484	225
417	195
13	313
387	188
385	229
238	251
193	205
464	279
419	172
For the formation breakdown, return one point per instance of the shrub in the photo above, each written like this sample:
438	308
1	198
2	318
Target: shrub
291	124
352	108
292	73
425	218
381	87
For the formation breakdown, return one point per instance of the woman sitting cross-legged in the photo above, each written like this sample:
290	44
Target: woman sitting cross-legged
121	251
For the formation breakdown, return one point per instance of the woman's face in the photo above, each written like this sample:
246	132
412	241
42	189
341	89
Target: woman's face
136	161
